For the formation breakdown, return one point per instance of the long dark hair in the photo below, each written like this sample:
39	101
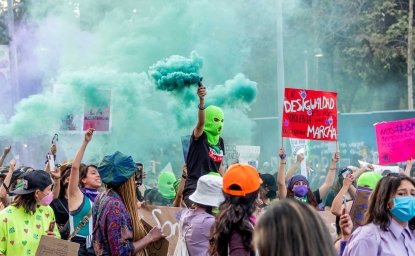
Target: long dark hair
378	211
65	174
84	172
27	201
292	228
233	216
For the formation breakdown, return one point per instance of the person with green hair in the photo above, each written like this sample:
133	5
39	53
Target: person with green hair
165	192
206	149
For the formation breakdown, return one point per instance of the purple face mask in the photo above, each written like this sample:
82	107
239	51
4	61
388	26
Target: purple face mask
300	190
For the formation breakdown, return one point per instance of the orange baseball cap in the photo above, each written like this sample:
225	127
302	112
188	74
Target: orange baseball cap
241	179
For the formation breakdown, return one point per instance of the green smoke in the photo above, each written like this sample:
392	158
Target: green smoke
176	72
83	50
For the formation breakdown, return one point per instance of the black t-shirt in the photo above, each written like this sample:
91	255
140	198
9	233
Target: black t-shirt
201	160
60	208
317	196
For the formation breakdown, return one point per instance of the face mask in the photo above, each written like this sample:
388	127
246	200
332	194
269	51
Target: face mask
403	208
300	190
271	194
212	127
47	199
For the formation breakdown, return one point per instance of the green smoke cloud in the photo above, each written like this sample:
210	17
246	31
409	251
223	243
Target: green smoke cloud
82	49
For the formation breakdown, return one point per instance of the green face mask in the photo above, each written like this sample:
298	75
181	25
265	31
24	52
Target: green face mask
166	182
213	124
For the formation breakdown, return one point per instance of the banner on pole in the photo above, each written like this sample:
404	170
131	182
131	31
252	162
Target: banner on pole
309	114
395	140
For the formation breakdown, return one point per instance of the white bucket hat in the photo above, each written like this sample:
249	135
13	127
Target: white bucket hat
208	191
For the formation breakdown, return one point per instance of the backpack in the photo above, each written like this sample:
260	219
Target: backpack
181	246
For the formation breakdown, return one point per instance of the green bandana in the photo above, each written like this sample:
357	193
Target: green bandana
213	124
166	185
302	199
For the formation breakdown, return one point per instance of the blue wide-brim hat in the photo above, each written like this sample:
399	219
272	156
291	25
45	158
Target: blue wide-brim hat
116	169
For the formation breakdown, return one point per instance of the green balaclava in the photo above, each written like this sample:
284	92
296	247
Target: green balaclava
213	124
369	179
166	182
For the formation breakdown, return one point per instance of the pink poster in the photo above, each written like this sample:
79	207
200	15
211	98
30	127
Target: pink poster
97	115
395	141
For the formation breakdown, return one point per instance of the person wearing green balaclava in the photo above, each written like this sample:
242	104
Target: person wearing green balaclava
165	192
206	149
166	182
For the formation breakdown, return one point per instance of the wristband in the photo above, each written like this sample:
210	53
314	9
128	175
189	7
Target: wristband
282	156
200	107
184	176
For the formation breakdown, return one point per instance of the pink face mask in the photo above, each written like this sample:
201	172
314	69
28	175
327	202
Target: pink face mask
47	199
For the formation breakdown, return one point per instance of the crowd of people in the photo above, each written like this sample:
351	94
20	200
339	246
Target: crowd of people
237	211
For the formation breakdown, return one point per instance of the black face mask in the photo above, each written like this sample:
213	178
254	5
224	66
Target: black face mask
271	194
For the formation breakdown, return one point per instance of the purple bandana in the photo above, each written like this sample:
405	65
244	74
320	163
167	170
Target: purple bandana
90	193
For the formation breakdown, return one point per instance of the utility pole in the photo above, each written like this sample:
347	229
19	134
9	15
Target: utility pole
410	63
280	68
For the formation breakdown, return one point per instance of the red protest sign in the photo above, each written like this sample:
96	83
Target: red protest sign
395	140
309	114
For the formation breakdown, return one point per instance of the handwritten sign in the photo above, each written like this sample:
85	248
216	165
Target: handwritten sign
395	140
51	246
157	248
360	205
231	156
165	218
248	154
309	114
97	115
379	168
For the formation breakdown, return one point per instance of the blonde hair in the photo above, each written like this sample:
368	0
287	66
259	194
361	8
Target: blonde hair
128	194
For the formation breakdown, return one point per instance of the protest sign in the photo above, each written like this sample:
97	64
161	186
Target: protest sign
97	111
52	246
160	247
231	155
165	218
299	146
248	154
380	168
395	140
309	114
359	206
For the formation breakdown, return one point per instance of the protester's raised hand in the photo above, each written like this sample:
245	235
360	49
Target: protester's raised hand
348	180
369	167
201	92
53	149
88	135
410	161
6	150
300	157
281	154
336	157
